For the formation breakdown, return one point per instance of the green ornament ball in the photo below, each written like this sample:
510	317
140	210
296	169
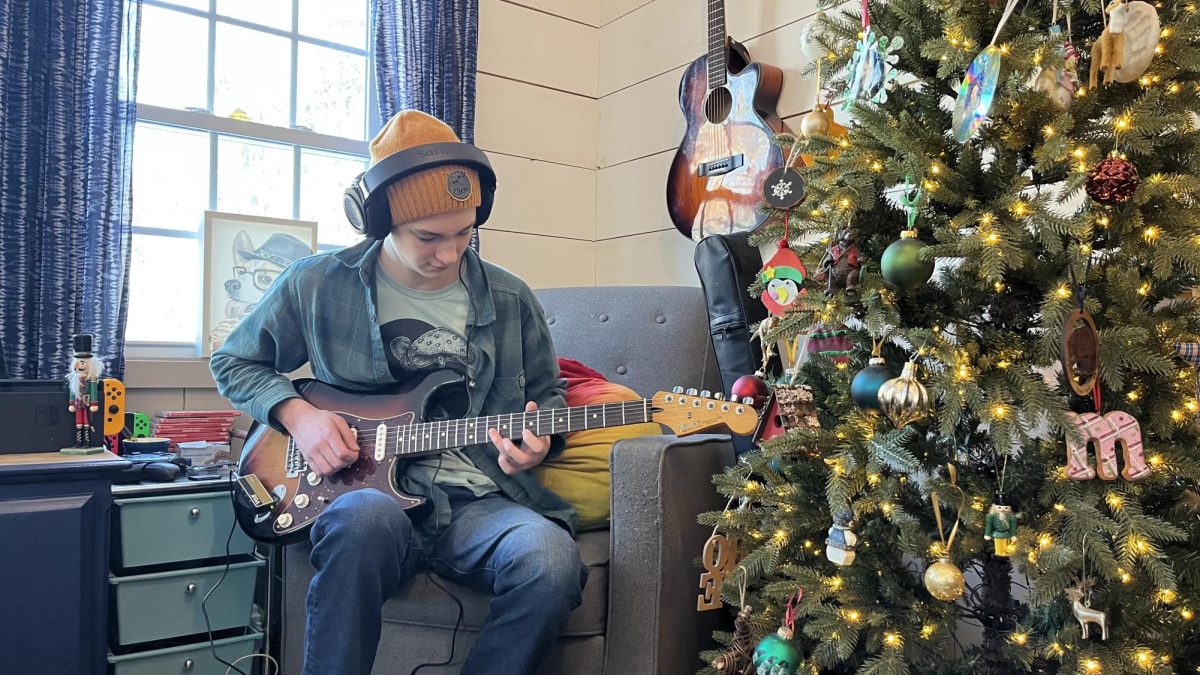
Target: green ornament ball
902	264
776	654
864	388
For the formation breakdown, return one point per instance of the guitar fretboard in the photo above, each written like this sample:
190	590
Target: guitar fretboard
430	437
716	43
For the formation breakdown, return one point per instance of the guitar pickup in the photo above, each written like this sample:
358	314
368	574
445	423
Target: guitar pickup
720	167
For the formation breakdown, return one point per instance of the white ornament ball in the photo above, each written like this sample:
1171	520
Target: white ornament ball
809	46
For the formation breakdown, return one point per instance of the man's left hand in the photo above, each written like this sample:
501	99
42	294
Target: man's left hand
517	458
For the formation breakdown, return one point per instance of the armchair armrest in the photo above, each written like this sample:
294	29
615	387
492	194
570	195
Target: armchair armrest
659	485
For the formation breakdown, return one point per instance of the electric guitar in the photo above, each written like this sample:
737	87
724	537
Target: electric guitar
715	183
279	496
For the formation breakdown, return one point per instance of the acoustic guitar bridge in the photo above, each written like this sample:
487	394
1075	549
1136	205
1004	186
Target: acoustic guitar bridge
720	167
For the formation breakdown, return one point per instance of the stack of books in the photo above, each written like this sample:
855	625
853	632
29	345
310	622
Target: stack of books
187	426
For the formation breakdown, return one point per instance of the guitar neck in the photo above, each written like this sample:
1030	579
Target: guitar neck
716	43
427	437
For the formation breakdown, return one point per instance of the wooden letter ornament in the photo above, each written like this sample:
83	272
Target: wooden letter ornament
720	557
1114	428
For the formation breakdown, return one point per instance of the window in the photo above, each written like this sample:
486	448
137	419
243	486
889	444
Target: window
259	107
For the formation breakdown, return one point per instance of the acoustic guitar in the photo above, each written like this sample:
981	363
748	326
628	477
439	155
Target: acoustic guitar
279	496
715	183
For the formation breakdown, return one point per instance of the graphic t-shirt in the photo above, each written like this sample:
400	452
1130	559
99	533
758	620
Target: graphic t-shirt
424	331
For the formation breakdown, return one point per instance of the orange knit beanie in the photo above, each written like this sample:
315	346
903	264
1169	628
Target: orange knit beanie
432	191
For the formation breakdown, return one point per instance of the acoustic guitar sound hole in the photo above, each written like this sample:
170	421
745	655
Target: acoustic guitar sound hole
717	105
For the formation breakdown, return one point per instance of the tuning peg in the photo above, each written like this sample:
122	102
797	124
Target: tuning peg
720	396
692	392
704	393
748	400
676	390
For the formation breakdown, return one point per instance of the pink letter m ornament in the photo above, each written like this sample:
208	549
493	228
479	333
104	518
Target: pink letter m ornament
1114	428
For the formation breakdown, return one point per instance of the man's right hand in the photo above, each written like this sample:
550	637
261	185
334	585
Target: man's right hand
324	438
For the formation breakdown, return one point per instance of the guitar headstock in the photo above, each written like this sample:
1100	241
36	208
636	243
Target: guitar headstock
692	412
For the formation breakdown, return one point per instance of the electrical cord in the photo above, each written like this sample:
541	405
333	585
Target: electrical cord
433	579
212	645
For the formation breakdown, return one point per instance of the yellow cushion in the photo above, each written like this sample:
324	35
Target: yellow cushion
580	474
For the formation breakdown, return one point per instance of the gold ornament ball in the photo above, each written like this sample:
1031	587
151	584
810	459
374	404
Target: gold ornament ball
904	399
817	122
944	581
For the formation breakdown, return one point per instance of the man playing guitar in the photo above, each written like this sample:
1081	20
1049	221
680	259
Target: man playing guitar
410	299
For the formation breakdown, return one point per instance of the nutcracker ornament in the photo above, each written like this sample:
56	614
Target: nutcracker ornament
84	382
1000	527
841	542
777	654
840	268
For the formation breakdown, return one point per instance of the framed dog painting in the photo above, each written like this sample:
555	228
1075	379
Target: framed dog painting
243	255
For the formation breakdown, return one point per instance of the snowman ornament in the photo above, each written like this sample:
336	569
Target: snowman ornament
841	542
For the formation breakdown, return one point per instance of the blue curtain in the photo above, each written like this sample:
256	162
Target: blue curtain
67	82
425	55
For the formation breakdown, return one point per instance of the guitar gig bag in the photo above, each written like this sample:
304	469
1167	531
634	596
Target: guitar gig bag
727	265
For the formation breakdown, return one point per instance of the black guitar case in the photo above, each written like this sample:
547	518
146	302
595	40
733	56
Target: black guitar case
726	265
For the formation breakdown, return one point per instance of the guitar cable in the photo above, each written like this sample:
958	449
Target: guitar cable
434	581
212	645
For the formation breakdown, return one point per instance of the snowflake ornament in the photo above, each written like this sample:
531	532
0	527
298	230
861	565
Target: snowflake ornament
872	68
781	189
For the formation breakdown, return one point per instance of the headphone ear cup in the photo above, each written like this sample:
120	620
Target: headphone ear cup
352	203
378	218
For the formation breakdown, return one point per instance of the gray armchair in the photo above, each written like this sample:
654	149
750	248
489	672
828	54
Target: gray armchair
639	607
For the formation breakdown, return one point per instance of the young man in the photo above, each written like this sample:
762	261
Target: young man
411	299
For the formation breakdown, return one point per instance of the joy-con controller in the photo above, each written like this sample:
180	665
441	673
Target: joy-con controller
113	406
137	424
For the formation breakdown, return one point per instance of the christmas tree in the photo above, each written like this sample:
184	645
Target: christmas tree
1010	485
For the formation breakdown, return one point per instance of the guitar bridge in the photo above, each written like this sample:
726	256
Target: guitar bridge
720	167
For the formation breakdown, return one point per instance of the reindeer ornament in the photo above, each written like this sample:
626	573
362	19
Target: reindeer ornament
1084	614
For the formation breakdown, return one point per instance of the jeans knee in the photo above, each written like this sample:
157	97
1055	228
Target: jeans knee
364	521
549	558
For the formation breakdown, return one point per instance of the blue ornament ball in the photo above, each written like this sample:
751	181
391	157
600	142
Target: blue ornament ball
776	654
864	388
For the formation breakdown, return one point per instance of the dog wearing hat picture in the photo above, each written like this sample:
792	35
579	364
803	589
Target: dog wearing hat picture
254	270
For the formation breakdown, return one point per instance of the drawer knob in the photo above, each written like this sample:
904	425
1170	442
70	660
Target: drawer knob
187	664
191	588
194	513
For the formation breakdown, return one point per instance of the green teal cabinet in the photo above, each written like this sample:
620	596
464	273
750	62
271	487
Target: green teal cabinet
169	553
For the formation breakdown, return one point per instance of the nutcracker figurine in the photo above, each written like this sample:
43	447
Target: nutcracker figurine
1001	526
84	381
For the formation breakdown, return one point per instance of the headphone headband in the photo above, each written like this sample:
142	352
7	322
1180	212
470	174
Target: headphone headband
369	213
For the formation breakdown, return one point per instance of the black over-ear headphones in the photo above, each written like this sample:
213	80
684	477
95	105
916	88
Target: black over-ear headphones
366	202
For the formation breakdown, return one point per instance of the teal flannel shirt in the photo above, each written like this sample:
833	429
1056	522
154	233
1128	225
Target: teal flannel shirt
322	311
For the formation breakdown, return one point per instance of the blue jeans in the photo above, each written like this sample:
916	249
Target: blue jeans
365	548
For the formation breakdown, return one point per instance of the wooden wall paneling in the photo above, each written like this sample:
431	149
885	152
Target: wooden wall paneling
656	258
534	47
611	10
583	11
632	197
543	262
525	120
538	197
151	401
641	120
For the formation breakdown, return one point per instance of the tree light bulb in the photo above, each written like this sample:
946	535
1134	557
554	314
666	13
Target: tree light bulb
1187	614
1151	233
1062	292
1020	638
928	630
1167	596
892	639
1092	665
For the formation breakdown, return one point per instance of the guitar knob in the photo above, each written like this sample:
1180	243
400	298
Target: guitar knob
720	396
313	478
676	390
692	392
704	393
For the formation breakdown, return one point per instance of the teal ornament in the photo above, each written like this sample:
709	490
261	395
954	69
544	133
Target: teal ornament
872	68
976	94
902	265
864	388
776	654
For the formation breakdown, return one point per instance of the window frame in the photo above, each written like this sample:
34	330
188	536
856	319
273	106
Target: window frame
215	126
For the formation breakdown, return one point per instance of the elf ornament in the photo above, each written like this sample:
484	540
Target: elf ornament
841	542
840	269
1000	528
901	263
943	579
777	654
864	388
1113	180
904	400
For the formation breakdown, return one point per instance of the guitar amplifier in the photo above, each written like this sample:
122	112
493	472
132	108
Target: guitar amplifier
34	416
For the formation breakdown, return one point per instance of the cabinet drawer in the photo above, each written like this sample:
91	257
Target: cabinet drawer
167	604
175	528
193	659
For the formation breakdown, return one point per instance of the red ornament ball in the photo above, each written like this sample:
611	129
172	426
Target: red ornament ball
1113	180
750	386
